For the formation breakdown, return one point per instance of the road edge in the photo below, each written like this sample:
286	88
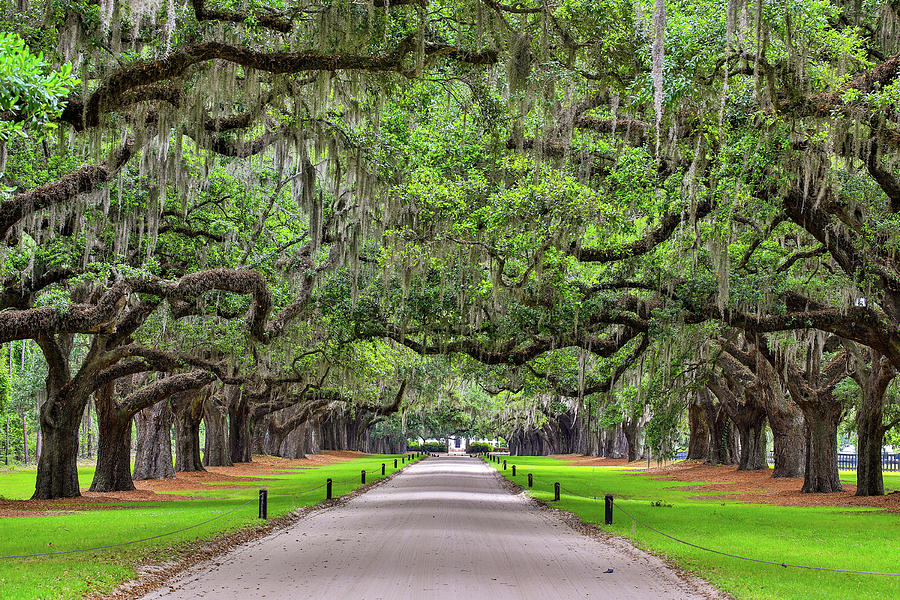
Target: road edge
153	575
579	525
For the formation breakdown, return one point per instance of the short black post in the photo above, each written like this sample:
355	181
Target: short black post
263	503
403	459
609	509
504	465
530	480
382	469
395	463
514	470
328	489
556	491
363	476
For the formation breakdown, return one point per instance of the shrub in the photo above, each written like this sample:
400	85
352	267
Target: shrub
479	447
427	447
434	447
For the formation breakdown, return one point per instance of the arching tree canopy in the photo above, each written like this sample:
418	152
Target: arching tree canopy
563	223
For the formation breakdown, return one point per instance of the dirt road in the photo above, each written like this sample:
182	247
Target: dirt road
444	528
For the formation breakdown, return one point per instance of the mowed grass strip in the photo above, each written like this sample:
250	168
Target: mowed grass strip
74	575
836	537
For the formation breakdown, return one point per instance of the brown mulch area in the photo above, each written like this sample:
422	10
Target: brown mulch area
759	487
155	490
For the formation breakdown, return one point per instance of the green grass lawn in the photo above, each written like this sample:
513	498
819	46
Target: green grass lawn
836	537
74	575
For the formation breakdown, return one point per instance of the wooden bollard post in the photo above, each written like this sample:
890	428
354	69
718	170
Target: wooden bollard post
395	463
263	503
530	480
382	469
556	491
328	489
504	465
363	476
514	470
609	509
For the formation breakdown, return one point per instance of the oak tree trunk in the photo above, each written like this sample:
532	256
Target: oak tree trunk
822	419
239	432
753	446
217	452
632	430
113	471
187	442
788	437
153	458
870	434
873	380
721	439
57	472
698	443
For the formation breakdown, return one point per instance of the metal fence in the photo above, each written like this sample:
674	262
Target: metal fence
848	462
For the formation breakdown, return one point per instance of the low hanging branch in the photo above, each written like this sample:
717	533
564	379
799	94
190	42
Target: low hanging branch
513	352
109	95
823	104
164	388
32	323
602	386
274	22
82	181
644	245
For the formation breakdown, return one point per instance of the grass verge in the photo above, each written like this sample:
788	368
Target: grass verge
70	576
824	536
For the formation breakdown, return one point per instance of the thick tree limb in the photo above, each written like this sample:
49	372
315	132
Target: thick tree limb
801	255
164	388
276	23
84	180
646	244
599	387
32	323
110	93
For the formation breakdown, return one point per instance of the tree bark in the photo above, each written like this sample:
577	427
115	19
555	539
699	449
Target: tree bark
239	431
698	443
113	471
57	472
721	439
789	437
258	435
632	431
188	414
153	458
870	439
294	445
217	452
753	443
822	419
873	379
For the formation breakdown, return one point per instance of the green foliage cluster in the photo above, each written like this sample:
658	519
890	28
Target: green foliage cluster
479	448
30	89
428	447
